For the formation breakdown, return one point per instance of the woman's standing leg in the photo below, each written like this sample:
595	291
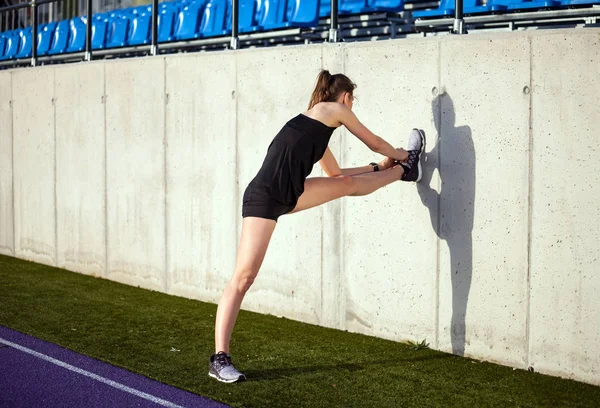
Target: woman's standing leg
256	234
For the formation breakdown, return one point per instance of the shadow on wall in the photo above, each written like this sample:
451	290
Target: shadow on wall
454	157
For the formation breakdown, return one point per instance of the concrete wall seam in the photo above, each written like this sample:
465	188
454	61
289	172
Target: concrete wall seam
165	174
529	207
56	262
104	103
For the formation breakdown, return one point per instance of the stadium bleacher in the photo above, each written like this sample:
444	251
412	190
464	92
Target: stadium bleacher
190	20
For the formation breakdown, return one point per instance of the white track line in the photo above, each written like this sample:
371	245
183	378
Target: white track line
96	377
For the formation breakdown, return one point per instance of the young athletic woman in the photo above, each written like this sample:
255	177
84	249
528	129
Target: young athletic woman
282	187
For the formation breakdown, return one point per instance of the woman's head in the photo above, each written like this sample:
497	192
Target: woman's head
333	88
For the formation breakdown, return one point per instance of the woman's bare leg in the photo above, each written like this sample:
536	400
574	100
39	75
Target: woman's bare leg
319	190
256	234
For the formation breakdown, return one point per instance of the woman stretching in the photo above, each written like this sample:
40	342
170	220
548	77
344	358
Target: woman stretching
281	187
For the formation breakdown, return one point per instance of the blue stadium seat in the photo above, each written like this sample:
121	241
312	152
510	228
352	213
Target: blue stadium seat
2	45
384	5
99	29
447	8
578	2
351	6
46	31
272	14
248	14
214	21
140	31
524	4
325	9
188	22
304	14
117	31
476	7
77	37
275	14
248	22
346	7
12	45
166	21
4	39
24	43
60	38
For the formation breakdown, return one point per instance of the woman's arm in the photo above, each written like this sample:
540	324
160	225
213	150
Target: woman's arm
373	142
332	169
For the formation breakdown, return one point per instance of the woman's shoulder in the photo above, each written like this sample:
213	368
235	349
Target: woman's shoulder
328	108
329	112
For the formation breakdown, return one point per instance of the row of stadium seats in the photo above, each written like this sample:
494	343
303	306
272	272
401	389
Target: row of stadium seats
447	7
195	19
178	21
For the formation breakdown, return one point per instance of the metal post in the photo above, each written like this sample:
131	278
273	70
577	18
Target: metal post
235	12
88	31
333	30
154	47
34	32
459	22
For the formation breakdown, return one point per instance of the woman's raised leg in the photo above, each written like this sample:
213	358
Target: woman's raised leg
319	190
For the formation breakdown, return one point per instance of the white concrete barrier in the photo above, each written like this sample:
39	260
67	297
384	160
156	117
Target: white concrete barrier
135	172
202	206
7	244
290	279
564	327
34	165
484	169
389	247
80	168
492	256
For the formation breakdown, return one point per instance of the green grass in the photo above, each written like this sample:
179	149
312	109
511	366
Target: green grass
288	363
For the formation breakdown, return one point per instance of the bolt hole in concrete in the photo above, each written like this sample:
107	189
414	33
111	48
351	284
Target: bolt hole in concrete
526	90
434	91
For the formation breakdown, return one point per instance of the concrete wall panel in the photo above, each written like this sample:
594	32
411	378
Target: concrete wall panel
135	133
389	252
484	168
202	202
80	175
565	311
493	256
34	161
274	85
333	304
6	166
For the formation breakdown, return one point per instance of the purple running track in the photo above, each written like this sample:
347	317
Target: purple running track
35	373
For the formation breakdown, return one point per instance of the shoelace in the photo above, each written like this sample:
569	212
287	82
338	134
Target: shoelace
413	155
223	359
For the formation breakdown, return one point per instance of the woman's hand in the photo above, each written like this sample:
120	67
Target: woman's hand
404	154
388	162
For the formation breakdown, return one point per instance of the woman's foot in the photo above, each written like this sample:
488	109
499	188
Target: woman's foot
413	170
222	369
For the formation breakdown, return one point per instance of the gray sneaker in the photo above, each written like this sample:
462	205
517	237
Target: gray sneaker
223	370
413	170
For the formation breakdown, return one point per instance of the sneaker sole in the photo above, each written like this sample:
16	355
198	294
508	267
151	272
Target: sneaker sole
419	167
216	377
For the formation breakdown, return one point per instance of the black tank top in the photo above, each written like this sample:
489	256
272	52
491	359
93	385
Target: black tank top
290	158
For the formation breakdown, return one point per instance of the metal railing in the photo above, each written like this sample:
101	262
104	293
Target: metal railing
56	9
60	10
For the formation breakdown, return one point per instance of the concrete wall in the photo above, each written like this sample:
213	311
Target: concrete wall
134	170
80	169
7	243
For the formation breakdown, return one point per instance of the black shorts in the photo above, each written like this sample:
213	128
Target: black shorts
258	202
